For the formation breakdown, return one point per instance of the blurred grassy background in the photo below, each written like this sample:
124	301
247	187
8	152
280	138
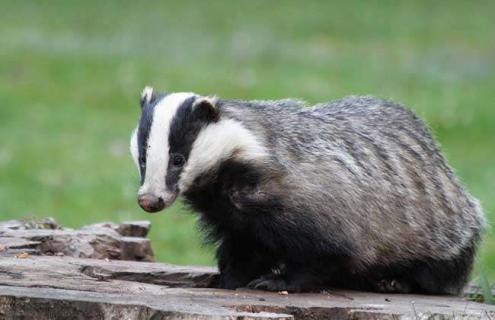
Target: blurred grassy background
71	73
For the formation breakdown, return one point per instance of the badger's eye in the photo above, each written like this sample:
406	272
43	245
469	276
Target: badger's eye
178	160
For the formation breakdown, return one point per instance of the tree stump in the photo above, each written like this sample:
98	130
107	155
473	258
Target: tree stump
123	241
34	286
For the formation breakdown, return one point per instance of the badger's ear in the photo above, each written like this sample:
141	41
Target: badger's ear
207	109
146	96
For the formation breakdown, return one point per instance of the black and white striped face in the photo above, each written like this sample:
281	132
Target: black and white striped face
162	143
180	136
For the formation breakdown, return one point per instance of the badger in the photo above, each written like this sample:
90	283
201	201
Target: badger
352	193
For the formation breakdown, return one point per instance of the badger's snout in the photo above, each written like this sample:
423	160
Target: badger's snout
154	203
151	203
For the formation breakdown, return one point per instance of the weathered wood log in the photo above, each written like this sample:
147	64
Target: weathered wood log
39	287
123	241
66	285
128	228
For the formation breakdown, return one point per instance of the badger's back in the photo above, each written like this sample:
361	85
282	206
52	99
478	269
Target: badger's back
368	171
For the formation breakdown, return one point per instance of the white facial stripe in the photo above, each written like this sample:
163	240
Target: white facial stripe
134	148
158	148
217	142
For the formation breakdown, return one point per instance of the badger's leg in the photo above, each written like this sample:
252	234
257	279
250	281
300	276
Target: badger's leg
443	276
429	276
239	263
314	275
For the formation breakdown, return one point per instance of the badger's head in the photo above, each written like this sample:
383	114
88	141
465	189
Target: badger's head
179	137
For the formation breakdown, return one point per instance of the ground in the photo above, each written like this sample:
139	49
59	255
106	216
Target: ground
71	73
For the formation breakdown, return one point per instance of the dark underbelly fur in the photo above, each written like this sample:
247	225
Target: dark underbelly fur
257	248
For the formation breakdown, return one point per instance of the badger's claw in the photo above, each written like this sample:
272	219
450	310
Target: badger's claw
392	286
269	284
254	284
276	283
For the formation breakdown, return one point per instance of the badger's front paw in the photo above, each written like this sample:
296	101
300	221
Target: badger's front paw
274	283
268	284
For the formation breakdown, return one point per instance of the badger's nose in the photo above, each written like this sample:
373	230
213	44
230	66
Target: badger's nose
151	203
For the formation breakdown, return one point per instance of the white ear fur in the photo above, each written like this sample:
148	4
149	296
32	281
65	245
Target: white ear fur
206	106
210	100
147	94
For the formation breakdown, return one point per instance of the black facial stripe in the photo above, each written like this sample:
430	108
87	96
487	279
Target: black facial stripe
184	129
143	133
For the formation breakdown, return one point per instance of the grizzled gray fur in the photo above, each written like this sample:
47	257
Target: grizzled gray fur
352	193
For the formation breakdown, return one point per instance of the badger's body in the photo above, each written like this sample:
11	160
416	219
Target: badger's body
352	193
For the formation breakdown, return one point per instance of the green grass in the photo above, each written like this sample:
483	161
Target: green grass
71	73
